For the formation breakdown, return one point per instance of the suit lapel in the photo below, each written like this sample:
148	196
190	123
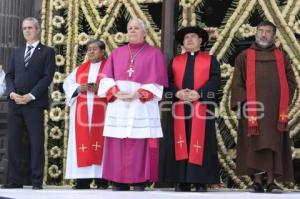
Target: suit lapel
21	55
36	52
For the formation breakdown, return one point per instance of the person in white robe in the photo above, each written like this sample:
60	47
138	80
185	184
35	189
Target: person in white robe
2	81
85	143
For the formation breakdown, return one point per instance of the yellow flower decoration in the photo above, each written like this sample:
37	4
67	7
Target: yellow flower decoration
53	171
120	37
58	39
56	114
59	4
56	96
83	38
60	60
55	133
58	21
55	152
58	78
246	30
226	70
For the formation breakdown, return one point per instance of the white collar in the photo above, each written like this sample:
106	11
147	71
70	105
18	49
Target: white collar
34	45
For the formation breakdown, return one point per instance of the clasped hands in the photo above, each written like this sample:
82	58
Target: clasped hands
20	99
92	87
127	97
187	95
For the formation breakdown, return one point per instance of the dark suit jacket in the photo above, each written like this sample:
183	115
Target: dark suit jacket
35	78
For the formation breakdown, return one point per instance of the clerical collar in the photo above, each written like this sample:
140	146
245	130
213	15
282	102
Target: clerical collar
96	63
193	53
137	45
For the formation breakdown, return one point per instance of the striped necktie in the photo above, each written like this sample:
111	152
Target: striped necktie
27	56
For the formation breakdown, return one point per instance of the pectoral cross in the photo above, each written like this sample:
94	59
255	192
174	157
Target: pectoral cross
82	148
96	146
130	71
181	141
197	146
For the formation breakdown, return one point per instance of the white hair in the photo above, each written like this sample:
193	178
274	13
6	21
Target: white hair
140	21
34	20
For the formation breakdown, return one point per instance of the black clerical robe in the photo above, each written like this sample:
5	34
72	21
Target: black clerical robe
183	171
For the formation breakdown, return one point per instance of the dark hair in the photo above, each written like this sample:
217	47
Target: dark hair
99	43
268	23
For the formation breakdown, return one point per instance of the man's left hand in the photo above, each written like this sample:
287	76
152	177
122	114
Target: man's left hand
92	87
26	98
193	96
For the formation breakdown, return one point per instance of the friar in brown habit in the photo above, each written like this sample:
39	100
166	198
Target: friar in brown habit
262	89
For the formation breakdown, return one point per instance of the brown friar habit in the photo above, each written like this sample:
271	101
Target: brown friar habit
269	150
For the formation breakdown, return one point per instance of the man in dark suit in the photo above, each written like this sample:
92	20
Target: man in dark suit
28	76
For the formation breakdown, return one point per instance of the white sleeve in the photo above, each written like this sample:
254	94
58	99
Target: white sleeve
2	83
156	89
105	85
70	87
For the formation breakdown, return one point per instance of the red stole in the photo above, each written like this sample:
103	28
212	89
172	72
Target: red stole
251	92
89	141
201	76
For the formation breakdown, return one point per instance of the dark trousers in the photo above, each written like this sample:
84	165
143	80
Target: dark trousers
21	117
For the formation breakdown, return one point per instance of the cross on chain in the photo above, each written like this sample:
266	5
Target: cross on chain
130	71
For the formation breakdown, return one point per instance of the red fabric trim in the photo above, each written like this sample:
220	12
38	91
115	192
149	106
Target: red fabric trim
153	149
284	91
89	141
110	94
251	92
145	95
201	76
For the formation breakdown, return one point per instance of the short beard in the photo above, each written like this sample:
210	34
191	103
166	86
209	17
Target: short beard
264	46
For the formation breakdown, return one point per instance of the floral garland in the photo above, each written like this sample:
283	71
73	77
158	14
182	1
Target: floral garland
55	133
55	152
246	30
58	21
188	12
60	4
296	27
46	119
237	18
54	171
60	60
50	16
44	19
293	13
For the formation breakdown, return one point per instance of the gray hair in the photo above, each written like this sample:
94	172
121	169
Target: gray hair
34	20
140	21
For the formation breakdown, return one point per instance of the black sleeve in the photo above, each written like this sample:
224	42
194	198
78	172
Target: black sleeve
208	92
9	77
171	91
47	77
